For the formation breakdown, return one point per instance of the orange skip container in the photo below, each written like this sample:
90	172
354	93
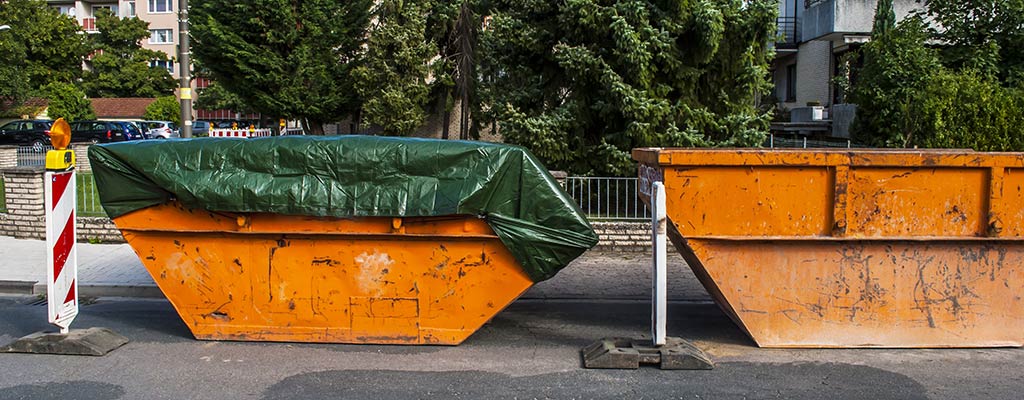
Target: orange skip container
271	277
862	248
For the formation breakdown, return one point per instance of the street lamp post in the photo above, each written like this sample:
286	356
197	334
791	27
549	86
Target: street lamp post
184	68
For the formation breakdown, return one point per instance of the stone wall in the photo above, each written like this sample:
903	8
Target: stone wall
623	236
98	229
8	156
81	157
26	216
23	190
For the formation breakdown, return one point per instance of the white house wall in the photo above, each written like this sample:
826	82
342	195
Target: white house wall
813	72
830	17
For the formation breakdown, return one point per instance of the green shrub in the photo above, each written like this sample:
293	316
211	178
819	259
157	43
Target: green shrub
164	108
69	102
907	98
969	110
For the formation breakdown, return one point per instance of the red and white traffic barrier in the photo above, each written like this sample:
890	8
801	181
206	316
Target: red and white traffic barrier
61	250
59	194
240	133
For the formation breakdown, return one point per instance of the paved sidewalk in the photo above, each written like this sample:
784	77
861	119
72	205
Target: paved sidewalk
115	270
103	269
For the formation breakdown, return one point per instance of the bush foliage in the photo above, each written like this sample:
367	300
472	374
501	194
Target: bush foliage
69	102
912	93
165	108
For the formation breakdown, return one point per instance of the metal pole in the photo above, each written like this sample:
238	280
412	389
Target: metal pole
184	68
659	273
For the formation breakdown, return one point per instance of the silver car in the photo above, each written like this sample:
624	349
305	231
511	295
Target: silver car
160	129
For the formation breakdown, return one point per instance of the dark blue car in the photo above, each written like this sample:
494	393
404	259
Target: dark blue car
130	130
104	131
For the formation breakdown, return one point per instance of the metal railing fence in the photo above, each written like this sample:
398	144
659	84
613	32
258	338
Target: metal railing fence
88	198
774	141
788	30
29	156
607	199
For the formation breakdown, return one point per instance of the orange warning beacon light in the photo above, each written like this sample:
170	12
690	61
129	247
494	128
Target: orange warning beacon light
60	158
60	134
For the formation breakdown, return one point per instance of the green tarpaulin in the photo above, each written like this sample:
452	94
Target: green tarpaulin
354	176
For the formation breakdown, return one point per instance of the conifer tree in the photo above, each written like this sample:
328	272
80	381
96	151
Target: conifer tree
283	58
581	82
393	79
885	18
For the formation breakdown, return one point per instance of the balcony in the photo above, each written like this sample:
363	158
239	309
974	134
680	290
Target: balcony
89	25
788	33
834	19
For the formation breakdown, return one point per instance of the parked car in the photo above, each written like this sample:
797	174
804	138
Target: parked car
131	130
201	128
103	131
160	129
35	133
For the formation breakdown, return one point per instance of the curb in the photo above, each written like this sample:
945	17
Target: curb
112	290
18	287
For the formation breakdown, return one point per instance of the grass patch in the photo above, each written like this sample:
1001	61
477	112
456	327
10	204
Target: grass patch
88	197
3	196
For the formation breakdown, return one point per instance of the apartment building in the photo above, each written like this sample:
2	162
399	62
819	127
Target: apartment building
813	36
162	16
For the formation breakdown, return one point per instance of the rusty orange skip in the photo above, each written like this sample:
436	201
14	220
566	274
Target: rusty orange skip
270	277
861	248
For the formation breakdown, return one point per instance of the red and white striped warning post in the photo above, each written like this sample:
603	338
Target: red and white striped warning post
61	249
62	263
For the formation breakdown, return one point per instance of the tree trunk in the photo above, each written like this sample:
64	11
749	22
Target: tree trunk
464	117
313	127
446	115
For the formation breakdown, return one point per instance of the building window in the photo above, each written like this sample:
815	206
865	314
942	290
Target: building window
160	6
131	8
67	10
161	36
165	64
113	9
790	83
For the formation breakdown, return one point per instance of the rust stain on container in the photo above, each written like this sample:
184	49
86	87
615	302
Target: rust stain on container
307	279
861	248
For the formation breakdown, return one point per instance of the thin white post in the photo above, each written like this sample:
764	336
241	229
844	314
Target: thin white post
659	228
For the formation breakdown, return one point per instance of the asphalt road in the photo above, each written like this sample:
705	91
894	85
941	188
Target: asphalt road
529	351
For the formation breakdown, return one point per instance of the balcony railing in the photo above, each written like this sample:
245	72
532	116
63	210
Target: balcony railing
788	31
